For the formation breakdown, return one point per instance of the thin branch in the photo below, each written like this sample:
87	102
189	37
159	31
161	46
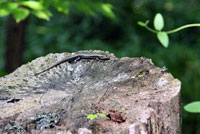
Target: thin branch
182	27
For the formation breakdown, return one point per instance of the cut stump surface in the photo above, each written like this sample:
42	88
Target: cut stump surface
134	95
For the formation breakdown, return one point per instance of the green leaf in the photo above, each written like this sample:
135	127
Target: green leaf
147	22
84	7
193	107
7	7
4	12
163	38
140	75
36	5
62	6
42	14
92	116
106	9
90	8
102	115
158	22
20	14
46	3
143	24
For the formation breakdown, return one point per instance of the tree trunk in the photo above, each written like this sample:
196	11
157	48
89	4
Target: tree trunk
15	42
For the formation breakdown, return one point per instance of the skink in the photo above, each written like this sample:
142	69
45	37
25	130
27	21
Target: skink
77	57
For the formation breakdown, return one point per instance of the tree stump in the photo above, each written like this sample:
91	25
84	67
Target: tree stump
116	96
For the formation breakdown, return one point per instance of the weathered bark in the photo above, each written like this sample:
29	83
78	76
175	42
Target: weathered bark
14	44
136	96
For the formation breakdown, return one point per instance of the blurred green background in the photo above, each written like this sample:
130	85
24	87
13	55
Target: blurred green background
124	37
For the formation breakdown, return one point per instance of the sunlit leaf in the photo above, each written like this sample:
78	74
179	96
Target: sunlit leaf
90	8
140	75
193	107
104	8
147	22
92	116
46	3
107	10
7	7
36	5
141	23
62	6
63	10
20	14
4	12
158	22
84	7
42	14
20	9
102	115
163	38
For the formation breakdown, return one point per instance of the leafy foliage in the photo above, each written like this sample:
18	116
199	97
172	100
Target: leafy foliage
140	76
20	14
94	116
193	107
143	24
159	24
163	38
21	9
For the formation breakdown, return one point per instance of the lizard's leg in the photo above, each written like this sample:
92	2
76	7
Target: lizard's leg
97	58
77	59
